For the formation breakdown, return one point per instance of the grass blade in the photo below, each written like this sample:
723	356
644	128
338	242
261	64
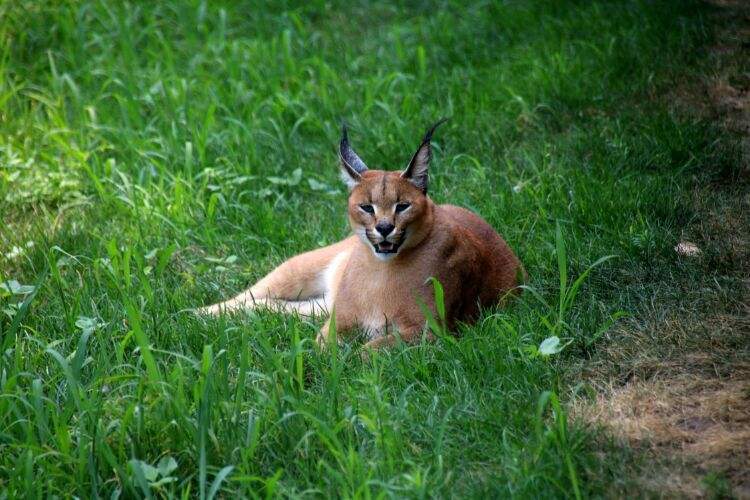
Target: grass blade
216	484
154	375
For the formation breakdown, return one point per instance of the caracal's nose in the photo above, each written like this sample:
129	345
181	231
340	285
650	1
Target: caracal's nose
384	228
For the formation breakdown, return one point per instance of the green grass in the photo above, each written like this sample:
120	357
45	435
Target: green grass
150	152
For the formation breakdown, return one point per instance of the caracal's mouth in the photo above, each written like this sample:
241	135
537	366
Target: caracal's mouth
383	249
386	247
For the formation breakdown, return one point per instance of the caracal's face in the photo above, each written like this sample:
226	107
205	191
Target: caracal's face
385	210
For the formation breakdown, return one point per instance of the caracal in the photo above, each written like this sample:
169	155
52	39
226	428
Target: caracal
375	280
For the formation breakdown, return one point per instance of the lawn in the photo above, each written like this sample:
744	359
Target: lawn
158	156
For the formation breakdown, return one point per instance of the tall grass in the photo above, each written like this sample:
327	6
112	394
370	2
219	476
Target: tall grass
158	156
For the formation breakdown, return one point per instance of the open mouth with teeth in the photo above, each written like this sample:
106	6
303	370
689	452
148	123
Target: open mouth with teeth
386	247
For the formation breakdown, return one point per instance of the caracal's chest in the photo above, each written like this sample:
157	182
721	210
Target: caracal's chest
378	298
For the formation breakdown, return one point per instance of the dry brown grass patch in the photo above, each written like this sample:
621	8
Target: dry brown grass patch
699	422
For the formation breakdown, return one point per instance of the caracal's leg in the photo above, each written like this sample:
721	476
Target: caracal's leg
410	334
305	283
343	325
316	306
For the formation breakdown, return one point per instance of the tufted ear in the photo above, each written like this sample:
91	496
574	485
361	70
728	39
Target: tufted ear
352	166
416	172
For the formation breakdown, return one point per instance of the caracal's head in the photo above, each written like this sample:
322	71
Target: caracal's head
389	211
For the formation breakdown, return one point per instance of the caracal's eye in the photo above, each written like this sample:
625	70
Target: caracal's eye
400	207
367	208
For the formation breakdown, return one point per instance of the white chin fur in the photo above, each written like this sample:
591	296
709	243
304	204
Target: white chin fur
383	257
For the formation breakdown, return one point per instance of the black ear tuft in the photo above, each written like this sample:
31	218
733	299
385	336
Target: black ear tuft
352	166
428	135
419	165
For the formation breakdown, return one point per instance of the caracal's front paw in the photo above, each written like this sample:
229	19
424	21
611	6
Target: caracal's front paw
322	340
379	343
